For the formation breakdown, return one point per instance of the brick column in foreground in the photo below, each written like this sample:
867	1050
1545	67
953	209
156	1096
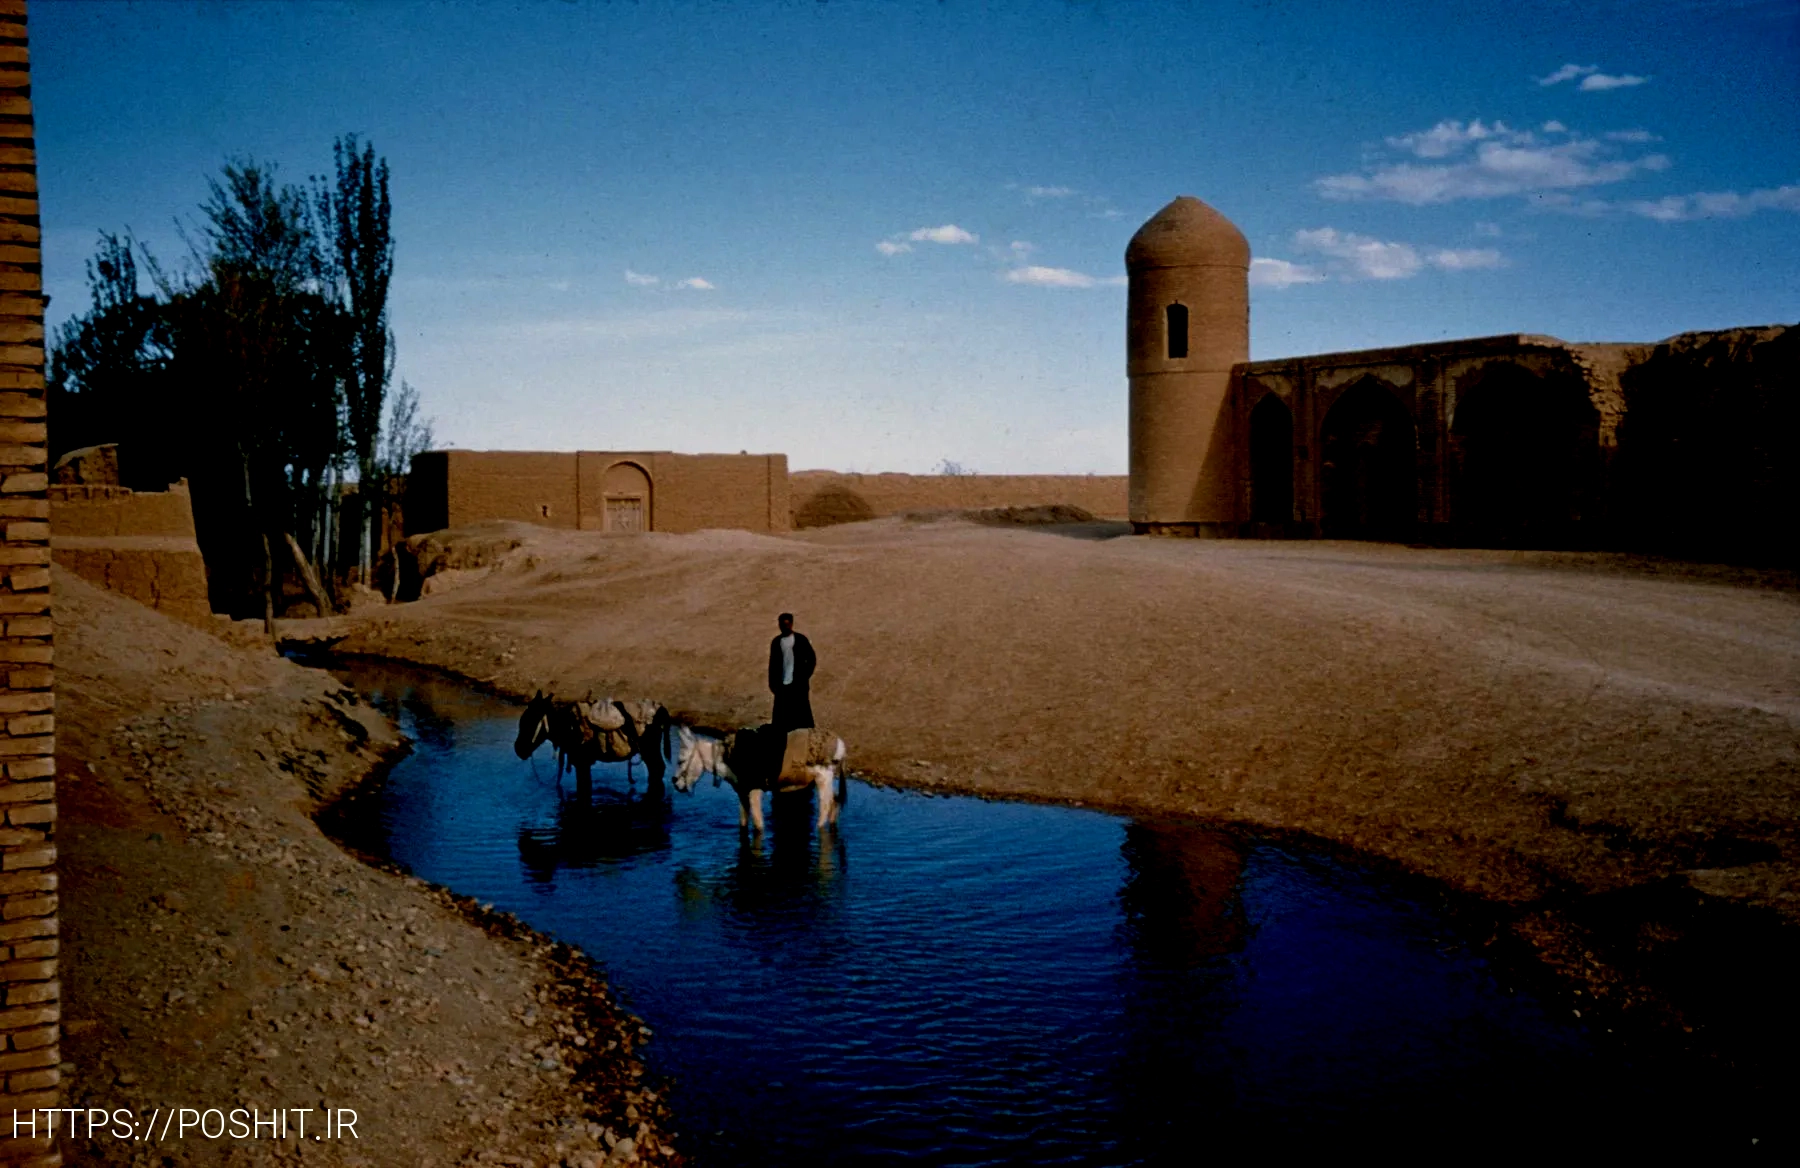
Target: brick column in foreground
30	1013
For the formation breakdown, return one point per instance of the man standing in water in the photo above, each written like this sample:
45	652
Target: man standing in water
791	664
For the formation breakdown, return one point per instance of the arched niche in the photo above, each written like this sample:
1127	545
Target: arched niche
1175	330
1271	461
626	494
1526	450
1368	473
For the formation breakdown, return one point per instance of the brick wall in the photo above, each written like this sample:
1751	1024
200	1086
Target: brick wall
30	1016
453	488
1431	382
694	491
688	492
528	486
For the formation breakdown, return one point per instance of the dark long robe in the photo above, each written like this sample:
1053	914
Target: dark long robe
793	703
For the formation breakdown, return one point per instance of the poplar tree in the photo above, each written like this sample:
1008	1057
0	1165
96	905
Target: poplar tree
260	346
260	370
356	210
107	368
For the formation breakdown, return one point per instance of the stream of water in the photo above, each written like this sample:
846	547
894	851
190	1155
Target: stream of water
958	981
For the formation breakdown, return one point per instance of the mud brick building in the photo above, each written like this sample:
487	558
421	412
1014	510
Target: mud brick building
598	490
626	491
1679	446
30	1016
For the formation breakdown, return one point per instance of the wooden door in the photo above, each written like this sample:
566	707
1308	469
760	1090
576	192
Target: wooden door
625	513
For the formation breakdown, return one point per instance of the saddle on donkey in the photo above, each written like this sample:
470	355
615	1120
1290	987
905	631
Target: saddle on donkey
770	760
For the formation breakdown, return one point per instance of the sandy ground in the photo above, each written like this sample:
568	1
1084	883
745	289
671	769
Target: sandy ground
220	952
1529	727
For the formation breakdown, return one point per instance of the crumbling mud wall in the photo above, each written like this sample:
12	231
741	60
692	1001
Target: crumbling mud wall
138	544
1505	440
436	561
1678	448
1706	462
30	1016
821	498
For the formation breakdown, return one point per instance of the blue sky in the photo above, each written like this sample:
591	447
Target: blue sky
878	236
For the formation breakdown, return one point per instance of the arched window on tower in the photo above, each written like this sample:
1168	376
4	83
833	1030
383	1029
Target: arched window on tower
1176	318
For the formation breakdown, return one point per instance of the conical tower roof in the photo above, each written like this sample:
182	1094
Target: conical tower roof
1187	233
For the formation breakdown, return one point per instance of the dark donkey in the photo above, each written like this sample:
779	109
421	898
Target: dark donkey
586	732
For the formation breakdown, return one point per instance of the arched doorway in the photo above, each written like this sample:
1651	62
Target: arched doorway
1271	461
626	490
1369	465
1527	450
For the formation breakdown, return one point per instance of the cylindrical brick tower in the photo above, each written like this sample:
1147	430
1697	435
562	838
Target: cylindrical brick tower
1187	324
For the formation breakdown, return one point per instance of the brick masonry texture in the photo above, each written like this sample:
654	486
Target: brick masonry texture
28	965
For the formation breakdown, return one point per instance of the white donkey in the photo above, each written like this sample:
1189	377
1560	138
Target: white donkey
754	760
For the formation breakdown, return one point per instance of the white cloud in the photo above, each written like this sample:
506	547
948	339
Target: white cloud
948	233
698	283
1042	277
1450	136
1043	192
1630	136
1487	230
1491	161
1592	80
1363	257
639	279
1602	81
1463	259
1568	73
1268	273
1020	248
1717	204
1669	209
1554	127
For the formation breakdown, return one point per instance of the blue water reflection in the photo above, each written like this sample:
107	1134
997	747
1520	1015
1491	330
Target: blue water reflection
951	981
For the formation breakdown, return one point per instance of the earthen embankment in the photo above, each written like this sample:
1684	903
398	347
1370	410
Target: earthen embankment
223	953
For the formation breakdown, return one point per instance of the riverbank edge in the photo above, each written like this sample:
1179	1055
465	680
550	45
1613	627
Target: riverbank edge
1576	948
614	1085
191	778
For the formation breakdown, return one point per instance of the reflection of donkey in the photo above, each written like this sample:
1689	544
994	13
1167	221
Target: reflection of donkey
586	732
586	834
758	759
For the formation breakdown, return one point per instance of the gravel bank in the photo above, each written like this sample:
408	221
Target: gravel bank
220	952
